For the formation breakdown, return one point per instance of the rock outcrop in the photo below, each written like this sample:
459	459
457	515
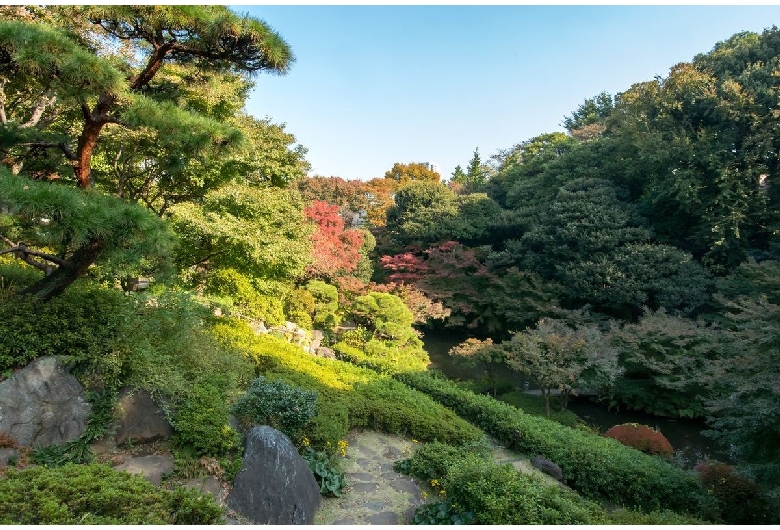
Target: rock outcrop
547	467
42	404
141	420
275	484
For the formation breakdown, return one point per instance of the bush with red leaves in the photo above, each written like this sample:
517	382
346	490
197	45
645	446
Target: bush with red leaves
642	438
740	499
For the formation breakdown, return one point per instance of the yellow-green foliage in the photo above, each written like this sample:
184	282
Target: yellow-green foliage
380	357
349	396
98	495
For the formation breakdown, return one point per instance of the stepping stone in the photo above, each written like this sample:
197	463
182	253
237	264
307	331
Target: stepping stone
210	485
374	506
365	487
364	477
151	467
406	486
366	451
344	521
392	453
383	518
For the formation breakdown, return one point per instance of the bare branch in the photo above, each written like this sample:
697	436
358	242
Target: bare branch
37	112
62	146
23	252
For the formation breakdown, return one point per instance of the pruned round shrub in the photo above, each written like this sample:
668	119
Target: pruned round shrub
98	494
278	404
642	438
740	499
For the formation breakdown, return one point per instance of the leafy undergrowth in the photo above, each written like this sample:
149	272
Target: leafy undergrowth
97	494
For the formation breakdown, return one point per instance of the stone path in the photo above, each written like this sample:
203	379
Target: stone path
376	493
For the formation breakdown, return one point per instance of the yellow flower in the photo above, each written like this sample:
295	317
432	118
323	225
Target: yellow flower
343	444
306	442
442	493
424	494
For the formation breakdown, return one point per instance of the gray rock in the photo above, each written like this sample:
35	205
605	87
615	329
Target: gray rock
325	352
6	454
383	518
258	328
208	484
43	404
317	334
548	467
141	420
275	484
152	467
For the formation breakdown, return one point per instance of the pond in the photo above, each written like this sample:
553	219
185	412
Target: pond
685	435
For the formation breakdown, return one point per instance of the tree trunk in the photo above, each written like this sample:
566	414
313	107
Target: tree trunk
54	284
546	394
87	143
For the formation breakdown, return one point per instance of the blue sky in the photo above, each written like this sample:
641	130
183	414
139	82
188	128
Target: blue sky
375	85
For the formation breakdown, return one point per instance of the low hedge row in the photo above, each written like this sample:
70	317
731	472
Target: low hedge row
597	467
475	487
349	396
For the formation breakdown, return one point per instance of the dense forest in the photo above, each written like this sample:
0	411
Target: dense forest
636	256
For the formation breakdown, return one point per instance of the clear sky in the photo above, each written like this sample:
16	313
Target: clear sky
375	85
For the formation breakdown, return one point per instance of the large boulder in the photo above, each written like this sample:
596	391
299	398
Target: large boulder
141	420
42	404
275	484
548	467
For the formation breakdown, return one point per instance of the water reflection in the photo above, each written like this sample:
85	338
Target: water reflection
685	435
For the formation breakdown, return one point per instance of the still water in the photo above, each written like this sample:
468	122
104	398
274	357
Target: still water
685	435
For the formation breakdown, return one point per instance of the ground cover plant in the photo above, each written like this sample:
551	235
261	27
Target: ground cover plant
97	494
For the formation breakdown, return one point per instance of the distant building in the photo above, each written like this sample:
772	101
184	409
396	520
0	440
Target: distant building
433	166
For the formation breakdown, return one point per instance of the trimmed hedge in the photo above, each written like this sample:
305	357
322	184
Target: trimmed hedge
349	396
383	358
597	467
487	493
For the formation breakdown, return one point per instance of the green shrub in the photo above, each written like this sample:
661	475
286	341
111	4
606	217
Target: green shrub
356	338
240	295
275	403
326	304
495	494
388	316
97	494
740	499
86	322
200	420
596	467
299	307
